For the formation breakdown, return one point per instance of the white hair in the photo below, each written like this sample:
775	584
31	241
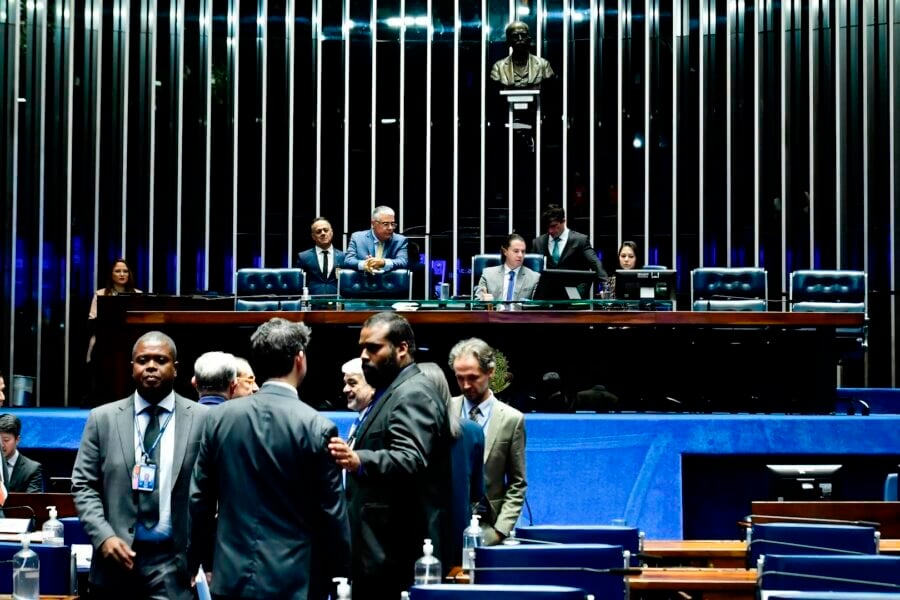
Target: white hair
352	367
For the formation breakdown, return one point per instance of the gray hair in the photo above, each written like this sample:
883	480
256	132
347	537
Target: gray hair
476	348
243	366
214	371
382	209
352	367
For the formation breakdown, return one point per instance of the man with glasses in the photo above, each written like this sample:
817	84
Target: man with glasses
379	249
246	380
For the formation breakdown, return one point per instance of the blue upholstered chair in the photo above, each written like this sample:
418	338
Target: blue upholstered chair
57	568
577	565
822	290
535	262
890	487
727	288
836	573
809	538
263	289
393	285
73	531
630	538
477	591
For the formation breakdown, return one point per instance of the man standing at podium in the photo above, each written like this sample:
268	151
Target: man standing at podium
563	247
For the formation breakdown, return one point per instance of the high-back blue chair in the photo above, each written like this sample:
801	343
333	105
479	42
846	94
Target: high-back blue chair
809	538
582	566
630	538
837	573
890	487
57	568
824	290
729	288
534	261
263	289
477	591
393	285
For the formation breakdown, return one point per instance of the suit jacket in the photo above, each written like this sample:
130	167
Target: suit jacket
504	468
467	456
401	493
577	254
493	280
264	466
26	476
317	282
362	246
101	479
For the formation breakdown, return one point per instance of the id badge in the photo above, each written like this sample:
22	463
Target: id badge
143	477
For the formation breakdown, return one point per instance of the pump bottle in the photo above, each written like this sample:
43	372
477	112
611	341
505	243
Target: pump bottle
428	568
52	532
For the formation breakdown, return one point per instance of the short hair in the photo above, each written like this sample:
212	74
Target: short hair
399	329
316	220
510	239
554	212
214	371
243	365
476	348
381	209
155	337
275	344
352	367
10	424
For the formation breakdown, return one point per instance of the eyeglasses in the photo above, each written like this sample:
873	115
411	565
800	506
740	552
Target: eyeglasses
387	223
247	379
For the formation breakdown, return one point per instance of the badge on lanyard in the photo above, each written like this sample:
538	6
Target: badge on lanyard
143	477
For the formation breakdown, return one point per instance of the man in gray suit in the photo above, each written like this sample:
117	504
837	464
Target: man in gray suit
378	249
264	467
473	363
495	281
131	479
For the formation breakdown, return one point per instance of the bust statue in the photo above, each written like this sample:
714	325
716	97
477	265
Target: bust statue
521	69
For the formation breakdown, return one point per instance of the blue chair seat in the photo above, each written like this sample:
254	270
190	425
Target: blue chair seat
73	531
393	285
477	591
836	573
890	487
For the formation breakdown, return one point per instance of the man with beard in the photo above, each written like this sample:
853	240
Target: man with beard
131	480
398	468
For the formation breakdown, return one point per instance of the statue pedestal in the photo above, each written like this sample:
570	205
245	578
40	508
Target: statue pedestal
518	100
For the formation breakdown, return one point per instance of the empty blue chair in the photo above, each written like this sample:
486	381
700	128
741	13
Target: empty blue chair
824	290
393	285
73	531
809	538
477	591
57	568
729	288
630	538
890	487
585	566
262	288
836	573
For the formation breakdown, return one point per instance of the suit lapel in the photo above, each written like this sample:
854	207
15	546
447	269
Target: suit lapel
184	419
125	430
379	406
498	415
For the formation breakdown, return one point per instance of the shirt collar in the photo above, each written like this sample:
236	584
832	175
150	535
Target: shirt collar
167	403
11	461
563	236
485	406
320	250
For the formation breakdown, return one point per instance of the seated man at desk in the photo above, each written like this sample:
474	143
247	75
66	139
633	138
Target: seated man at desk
20	473
379	249
511	280
322	262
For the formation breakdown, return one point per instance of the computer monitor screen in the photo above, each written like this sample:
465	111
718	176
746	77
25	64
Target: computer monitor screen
565	284
804	482
646	284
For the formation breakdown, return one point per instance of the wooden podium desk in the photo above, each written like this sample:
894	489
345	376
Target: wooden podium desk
712	584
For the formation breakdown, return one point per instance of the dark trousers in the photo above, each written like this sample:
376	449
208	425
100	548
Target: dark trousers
157	575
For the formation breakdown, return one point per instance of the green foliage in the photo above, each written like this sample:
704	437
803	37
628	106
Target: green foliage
500	379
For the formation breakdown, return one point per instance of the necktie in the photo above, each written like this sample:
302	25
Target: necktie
511	286
148	502
555	253
351	436
379	249
475	415
325	263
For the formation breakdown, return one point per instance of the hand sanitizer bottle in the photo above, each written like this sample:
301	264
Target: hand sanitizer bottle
343	588
472	539
26	572
428	568
52	532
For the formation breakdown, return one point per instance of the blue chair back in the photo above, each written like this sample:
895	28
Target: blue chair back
533	564
73	531
57	568
729	288
477	591
534	261
836	573
819	290
393	285
890	487
630	538
262	289
809	538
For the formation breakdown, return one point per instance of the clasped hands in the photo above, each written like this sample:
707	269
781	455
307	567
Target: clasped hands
372	264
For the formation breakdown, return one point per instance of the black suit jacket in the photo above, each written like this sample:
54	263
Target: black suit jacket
578	254
27	476
317	282
401	493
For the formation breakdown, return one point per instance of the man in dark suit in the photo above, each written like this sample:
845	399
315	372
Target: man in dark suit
20	473
398	467
264	467
321	262
563	247
378	249
140	532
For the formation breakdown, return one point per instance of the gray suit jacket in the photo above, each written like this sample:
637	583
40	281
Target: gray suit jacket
494	282
264	466
101	479
27	476
362	246
504	467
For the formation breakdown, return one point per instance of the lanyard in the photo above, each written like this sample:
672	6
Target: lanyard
162	429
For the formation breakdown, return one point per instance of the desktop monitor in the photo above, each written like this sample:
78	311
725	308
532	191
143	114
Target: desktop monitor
565	284
646	284
803	482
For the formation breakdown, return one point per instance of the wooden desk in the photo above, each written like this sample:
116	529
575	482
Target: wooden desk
712	584
720	554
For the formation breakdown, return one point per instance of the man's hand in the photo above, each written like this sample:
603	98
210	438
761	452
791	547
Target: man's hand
373	264
115	548
343	454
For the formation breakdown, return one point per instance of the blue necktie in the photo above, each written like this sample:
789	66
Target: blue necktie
555	253
511	286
